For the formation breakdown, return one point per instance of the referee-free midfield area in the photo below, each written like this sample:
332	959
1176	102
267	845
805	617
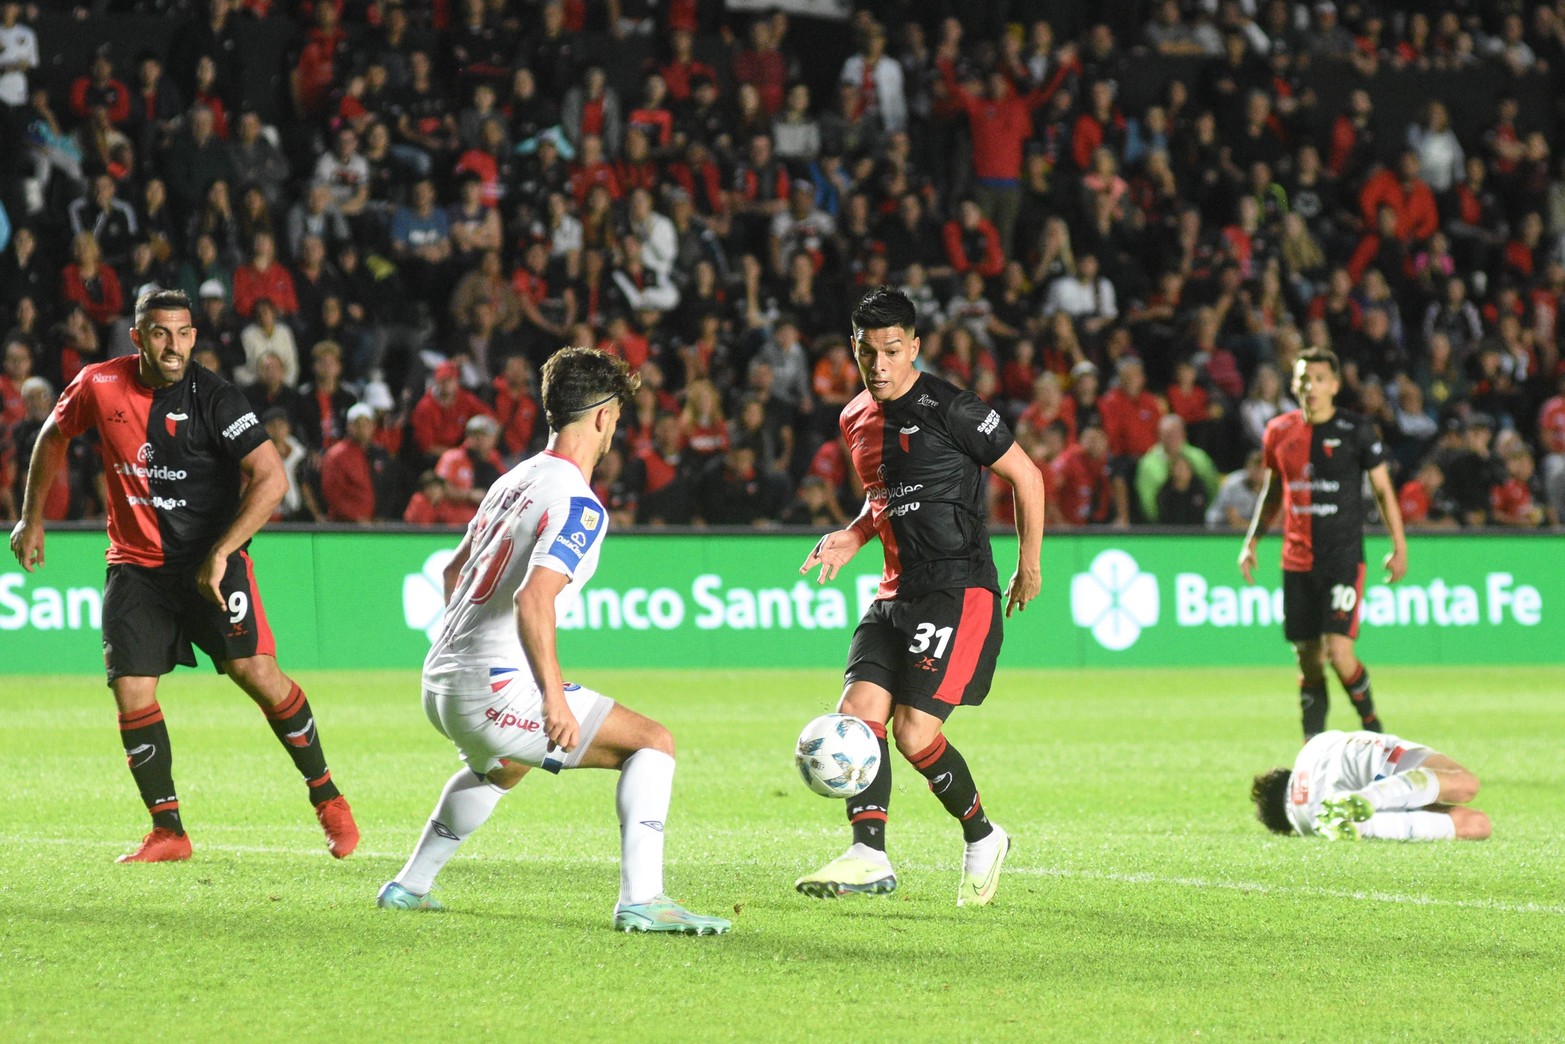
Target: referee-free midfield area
1141	899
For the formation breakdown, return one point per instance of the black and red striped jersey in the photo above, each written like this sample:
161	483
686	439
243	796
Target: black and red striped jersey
921	458
1321	468
170	457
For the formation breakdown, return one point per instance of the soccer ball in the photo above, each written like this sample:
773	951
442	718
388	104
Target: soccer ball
837	755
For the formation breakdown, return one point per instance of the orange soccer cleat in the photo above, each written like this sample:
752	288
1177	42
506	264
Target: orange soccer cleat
160	846
342	833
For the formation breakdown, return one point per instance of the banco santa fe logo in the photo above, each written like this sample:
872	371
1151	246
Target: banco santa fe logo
423	595
1114	599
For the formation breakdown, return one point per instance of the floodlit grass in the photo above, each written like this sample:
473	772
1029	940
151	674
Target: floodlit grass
1141	900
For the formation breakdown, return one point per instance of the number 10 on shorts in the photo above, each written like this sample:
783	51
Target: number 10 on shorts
1343	598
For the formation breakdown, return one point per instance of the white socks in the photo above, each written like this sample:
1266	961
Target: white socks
1403	791
1409	826
464	805
646	781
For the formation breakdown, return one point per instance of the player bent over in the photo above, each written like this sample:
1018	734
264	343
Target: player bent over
1348	785
179	444
1316	460
492	681
930	641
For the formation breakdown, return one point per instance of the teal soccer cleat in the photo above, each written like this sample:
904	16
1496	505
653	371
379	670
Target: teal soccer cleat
394	897
662	914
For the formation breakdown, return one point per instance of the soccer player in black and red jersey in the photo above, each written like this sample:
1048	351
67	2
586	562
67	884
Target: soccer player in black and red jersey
929	642
1316	460
191	477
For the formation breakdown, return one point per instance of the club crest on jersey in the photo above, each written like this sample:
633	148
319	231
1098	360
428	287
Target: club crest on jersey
1330	445
905	436
171	422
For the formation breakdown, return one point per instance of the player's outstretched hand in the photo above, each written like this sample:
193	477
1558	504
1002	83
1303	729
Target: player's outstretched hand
27	544
834	551
1023	588
1247	562
210	580
1396	565
559	724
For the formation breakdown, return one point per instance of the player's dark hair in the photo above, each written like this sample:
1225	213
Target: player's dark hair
1322	355
1269	791
882	307
576	380
160	301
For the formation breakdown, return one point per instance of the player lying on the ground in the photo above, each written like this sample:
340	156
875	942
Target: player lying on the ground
1348	785
492	680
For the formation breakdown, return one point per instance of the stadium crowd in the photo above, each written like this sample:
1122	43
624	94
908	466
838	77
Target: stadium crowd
453	189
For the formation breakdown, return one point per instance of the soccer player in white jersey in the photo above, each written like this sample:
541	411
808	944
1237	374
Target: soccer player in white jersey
1348	785
492	681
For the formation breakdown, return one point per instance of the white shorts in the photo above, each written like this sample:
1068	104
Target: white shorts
489	727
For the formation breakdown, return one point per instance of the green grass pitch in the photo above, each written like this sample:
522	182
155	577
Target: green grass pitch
1141	900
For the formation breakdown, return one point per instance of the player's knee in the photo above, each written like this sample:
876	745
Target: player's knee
914	739
1471	824
1458	788
657	737
507	774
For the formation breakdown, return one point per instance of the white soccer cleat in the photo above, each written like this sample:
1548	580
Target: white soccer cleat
981	864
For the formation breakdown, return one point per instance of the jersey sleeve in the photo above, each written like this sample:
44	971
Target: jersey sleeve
571	527
1372	451
1269	449
977	429
238	430
74	411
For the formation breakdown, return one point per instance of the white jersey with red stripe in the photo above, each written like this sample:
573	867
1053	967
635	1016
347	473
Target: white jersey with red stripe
1335	762
540	514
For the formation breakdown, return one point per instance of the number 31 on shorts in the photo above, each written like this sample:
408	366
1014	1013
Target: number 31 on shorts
925	632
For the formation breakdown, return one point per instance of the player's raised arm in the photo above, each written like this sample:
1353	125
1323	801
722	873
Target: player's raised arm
1391	511
266	482
48	456
836	549
1266	506
535	626
1026	483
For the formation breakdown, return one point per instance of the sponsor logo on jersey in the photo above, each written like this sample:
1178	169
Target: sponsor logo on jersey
924	399
144	454
506	720
117	417
575	537
105	378
233	430
171	421
990	423
589	519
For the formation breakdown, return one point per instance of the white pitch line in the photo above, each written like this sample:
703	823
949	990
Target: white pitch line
1255	887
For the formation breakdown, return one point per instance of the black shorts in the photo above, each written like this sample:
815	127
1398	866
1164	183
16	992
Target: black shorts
1323	601
934	653
151	618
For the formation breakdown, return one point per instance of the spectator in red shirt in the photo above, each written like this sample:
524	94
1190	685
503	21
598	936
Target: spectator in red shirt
1417	498
90	283
973	242
471	468
357	476
1047	406
515	407
440	418
1000	122
98	89
763	66
1511	502
433	506
264	276
683	67
1084	490
1405	193
1130	419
